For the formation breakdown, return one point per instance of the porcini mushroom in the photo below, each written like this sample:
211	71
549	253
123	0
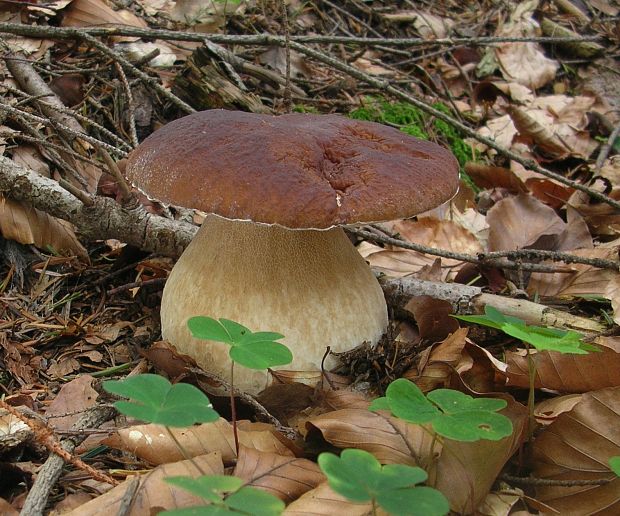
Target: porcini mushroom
272	254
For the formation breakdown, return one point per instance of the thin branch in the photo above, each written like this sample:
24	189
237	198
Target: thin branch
266	39
152	82
495	259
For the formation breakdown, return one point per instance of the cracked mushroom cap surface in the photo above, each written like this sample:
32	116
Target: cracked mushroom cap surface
299	171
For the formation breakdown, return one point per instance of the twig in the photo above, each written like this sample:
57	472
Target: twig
492	259
466	300
605	149
62	453
267	39
533	481
126	194
147	79
131	109
55	125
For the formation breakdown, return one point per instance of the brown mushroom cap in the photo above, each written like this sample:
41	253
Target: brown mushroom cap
299	171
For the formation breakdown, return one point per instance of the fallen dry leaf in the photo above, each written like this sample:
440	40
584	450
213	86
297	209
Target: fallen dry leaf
577	446
153	491
524	62
521	222
433	317
71	401
547	411
285	477
30	226
567	373
428	231
464	472
322	500
586	281
437	363
154	444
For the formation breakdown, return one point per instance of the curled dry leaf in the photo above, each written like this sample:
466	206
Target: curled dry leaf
487	176
322	500
439	362
86	13
30	226
285	477
577	446
153	491
568	373
464	472
432	317
541	134
154	444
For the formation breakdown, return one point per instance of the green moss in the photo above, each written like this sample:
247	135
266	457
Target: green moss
415	122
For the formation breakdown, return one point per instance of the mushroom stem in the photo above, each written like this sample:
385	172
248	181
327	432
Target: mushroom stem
312	286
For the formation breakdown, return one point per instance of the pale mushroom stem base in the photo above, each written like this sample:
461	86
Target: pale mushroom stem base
311	286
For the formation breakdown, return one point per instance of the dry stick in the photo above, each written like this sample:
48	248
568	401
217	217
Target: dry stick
147	79
605	149
269	39
493	259
104	219
403	95
287	52
65	129
131	109
467	300
50	471
32	83
67	111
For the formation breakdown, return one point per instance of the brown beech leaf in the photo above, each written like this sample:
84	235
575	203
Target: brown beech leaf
154	444
28	225
285	477
432	317
577	446
428	231
154	494
586	281
322	500
464	472
520	222
85	13
541	134
568	373
474	466
73	398
439	362
547	411
486	176
391	440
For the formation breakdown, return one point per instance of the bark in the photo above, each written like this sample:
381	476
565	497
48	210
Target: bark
105	218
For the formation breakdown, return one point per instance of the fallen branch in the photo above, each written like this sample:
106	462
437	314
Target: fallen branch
103	219
50	472
467	300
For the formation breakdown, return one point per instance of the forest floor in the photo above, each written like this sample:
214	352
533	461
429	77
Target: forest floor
524	94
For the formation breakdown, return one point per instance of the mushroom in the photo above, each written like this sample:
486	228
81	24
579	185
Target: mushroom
272	254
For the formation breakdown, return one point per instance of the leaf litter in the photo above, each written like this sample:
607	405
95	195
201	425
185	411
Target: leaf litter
71	314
